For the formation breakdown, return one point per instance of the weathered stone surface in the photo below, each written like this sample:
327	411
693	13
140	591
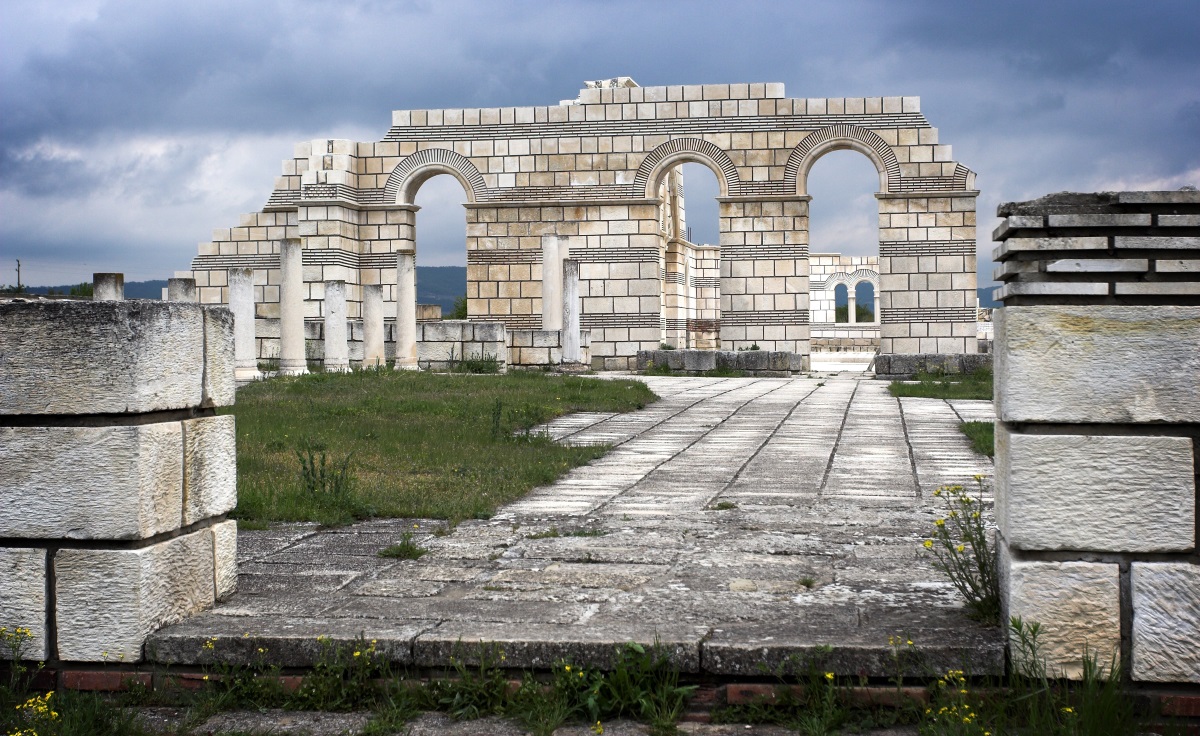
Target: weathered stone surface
220	357
1095	493
225	567
538	645
1054	363
290	641
1076	603
209	467
111	600
108	357
23	596
91	482
1166	621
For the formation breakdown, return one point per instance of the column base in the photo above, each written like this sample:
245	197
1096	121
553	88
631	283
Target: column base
246	374
337	367
291	369
406	364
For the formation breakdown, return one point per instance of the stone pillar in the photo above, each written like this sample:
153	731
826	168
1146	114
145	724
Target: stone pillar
570	311
1098	411
241	304
552	281
875	315
181	290
108	287
406	310
337	349
851	304
111	502
373	351
292	359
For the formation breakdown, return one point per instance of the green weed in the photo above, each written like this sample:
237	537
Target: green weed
406	549
962	549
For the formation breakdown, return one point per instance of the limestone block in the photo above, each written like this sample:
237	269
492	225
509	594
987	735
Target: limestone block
108	357
91	482
699	360
209	467
1166	621
220	357
1095	493
1077	605
225	572
23	596
111	600
1113	364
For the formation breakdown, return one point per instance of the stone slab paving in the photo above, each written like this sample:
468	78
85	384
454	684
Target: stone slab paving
739	522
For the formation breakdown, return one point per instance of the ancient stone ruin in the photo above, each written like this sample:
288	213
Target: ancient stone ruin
116	473
595	180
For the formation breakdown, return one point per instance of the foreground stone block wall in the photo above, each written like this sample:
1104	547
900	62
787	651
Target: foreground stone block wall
117	471
1097	355
543	348
442	344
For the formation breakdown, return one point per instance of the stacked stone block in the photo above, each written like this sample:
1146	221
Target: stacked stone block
534	349
597	171
117	471
1097	351
442	345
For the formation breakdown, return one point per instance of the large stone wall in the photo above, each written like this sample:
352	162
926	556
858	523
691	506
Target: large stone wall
1097	354
597	172
116	472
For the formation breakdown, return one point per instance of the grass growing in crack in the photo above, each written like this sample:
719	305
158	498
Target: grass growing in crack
406	549
806	698
422	444
722	506
554	533
982	436
974	385
962	549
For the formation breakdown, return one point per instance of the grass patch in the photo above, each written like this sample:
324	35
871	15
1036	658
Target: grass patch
982	436
336	447
406	549
974	385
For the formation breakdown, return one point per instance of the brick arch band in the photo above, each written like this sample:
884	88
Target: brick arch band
840	137
686	149
413	170
849	279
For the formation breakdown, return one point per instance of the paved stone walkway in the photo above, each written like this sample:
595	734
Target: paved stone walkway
737	521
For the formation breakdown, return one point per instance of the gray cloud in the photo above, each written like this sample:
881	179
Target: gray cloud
118	115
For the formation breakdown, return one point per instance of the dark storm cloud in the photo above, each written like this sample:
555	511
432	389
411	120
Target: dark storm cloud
122	110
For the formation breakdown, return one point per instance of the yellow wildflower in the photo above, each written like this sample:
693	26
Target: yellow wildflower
928	544
358	654
960	548
940	522
828	675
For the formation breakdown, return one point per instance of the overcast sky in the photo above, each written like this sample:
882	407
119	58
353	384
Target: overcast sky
129	130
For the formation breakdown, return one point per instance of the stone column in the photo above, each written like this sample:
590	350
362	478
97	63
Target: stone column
552	281
1098	411
372	306
406	310
181	290
337	350
108	287
875	316
292	360
241	303
570	311
851	304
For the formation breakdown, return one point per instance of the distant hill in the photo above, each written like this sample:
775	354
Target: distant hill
133	289
441	285
985	297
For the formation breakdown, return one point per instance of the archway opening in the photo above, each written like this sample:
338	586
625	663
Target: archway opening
841	299
441	246
843	244
690	223
864	302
